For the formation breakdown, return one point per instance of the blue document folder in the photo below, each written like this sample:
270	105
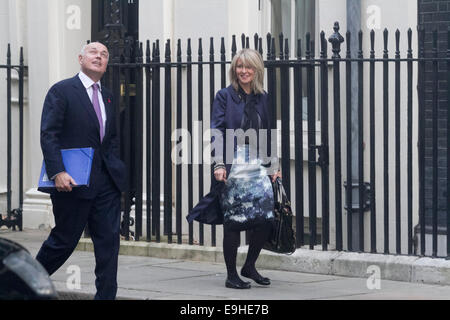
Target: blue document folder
78	164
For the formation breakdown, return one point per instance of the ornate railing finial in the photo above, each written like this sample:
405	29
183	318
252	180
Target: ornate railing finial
336	39
115	30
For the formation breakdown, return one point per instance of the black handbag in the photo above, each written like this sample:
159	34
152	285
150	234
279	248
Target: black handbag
282	238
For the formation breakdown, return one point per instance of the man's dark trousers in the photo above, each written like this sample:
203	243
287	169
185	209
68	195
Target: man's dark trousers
71	216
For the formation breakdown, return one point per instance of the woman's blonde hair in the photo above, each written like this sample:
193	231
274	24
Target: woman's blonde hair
250	59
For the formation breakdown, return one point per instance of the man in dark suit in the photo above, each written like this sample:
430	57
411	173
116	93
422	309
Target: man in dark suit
79	113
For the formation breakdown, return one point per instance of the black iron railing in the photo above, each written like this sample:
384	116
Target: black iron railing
13	217
328	221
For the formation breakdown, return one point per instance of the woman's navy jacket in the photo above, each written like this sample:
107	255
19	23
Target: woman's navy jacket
227	112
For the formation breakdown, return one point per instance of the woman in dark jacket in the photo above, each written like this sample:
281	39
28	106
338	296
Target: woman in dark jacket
241	194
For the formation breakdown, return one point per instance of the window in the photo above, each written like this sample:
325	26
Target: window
293	18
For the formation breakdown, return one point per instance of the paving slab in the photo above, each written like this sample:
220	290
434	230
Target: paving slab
149	278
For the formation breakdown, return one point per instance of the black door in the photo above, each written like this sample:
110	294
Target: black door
115	12
115	23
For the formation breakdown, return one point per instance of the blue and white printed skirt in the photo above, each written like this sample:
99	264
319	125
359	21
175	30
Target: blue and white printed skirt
247	200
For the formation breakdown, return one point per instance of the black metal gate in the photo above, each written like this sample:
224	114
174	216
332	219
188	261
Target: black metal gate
13	217
324	214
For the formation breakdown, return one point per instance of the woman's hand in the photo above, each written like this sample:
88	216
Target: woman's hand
221	175
276	176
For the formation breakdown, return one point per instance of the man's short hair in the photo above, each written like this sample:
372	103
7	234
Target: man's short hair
83	48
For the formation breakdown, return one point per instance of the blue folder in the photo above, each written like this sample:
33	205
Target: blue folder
78	164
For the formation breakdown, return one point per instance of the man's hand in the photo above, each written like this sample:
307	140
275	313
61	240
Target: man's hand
64	182
275	176
221	175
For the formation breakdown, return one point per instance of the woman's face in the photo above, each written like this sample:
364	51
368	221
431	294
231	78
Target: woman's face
245	75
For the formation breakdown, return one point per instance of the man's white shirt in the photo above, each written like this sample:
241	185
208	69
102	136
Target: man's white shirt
88	83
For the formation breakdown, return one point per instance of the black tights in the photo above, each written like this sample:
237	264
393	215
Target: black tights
231	240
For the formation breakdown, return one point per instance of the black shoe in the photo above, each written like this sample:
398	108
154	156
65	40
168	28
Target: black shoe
237	283
255	276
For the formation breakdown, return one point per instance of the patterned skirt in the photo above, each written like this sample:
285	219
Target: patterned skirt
247	200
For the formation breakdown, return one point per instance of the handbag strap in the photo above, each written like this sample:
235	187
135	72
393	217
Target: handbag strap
278	191
281	193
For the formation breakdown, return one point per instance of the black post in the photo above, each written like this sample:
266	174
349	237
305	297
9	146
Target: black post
285	125
272	88
9	137
287	178
168	145
21	89
156	142
298	118
200	119
421	139
211	99
179	177
223	81
286	49
223	74
386	139
269	42
373	221
448	143
138	134
397	144
271	82
274	85
260	48
189	124
435	145
324	162
127	144
281	39
410	146
233	47
116	89
154	83
361	141
148	126
312	182
349	99
336	40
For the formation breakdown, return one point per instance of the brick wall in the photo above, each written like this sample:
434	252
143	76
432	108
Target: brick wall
435	15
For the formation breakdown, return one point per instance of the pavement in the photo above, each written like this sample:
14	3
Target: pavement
149	278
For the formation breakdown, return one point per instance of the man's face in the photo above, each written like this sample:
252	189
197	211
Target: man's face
95	59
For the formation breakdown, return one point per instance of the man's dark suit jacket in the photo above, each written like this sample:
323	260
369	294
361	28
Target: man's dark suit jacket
69	121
